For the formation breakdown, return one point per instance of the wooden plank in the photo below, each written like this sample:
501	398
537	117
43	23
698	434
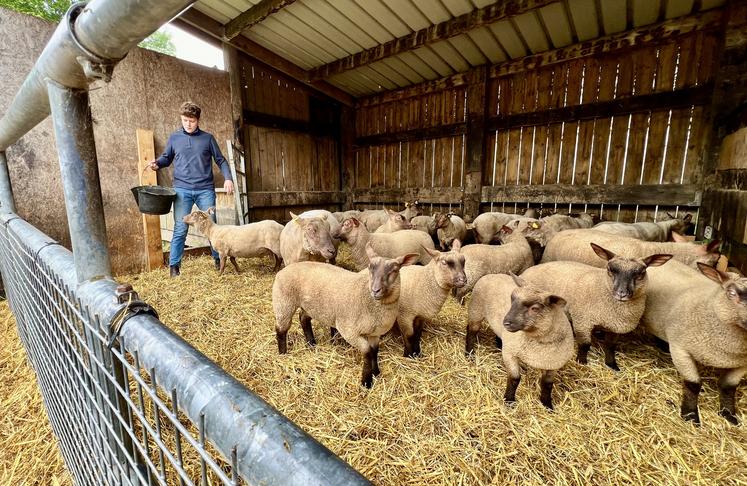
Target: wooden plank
429	35
672	194
151	223
475	142
699	95
585	151
284	123
676	147
439	131
695	150
265	199
655	34
415	91
538	156
256	14
431	195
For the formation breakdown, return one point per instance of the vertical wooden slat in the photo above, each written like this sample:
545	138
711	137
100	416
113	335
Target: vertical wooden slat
153	248
475	140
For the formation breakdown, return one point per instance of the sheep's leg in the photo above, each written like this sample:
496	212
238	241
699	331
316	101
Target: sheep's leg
609	345
406	327
278	262
374	342
370	359
584	344
498	342
514	377
418	325
727	385
235	265
473	327
283	319
222	264
548	379
661	344
691	383
308	332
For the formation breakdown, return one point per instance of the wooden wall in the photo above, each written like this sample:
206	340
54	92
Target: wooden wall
291	140
627	125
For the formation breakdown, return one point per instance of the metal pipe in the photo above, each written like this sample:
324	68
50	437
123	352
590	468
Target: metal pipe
270	448
79	170
85	47
7	203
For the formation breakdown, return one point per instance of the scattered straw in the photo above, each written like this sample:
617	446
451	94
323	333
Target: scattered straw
441	419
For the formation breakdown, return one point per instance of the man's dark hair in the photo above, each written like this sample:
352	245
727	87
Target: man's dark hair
190	109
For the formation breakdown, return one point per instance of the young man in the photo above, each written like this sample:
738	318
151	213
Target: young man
192	151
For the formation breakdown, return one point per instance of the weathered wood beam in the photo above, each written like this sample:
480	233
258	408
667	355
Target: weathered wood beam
440	131
641	36
253	16
668	100
268	199
475	141
427	87
444	30
209	29
646	195
347	154
435	195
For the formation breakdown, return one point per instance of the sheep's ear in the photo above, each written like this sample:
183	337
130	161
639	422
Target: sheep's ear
713	246
688	217
370	251
211	210
506	229
295	218
671	216
520	282
409	259
602	253
456	245
416	202
678	238
554	300
324	217
713	273
390	212
407	204
657	260
431	252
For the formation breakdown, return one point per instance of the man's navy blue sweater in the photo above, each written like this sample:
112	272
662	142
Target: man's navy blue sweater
192	156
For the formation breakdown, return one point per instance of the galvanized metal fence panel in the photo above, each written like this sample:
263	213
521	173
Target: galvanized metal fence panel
150	409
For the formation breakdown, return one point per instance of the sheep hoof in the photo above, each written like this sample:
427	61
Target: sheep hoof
510	403
693	417
367	382
613	366
729	416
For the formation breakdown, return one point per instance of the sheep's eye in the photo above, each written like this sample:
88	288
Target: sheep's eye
732	293
535	308
444	262
640	276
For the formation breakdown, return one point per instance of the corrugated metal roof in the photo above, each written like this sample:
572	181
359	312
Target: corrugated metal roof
312	33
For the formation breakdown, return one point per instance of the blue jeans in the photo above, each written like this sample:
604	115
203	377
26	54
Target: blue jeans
185	198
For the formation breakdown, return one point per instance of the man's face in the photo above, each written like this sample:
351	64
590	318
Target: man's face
189	123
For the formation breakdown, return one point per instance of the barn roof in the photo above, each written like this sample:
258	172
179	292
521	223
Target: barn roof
365	47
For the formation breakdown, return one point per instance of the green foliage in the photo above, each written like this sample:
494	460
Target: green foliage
159	41
51	10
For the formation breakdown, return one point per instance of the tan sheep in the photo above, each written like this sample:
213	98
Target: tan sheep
704	320
487	226
659	231
531	326
361	306
395	222
307	239
389	245
609	300
424	291
574	245
514	255
450	227
245	241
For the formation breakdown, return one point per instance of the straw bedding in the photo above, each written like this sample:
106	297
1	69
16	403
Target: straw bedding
439	419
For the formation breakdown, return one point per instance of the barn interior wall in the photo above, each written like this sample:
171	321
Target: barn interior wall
146	91
587	121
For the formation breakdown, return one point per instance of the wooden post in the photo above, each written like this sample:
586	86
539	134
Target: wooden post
475	140
347	156
151	222
233	66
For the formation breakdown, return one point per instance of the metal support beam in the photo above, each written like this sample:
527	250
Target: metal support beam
7	203
253	16
73	127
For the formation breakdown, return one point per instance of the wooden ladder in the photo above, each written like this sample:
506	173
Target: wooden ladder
237	163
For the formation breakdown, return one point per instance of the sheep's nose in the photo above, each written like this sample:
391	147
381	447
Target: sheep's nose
622	296
511	326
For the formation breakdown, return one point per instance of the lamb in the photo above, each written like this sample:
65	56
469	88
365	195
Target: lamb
704	320
424	291
328	218
487	226
307	239
450	227
395	222
611	300
411	210
559	222
341	216
373	219
530	324
573	245
360	306
245	241
514	255
388	245
659	231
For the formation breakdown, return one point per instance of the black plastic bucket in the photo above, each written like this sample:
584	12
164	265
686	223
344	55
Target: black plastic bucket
154	199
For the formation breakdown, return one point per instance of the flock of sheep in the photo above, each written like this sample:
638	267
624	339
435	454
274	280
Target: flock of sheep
544	286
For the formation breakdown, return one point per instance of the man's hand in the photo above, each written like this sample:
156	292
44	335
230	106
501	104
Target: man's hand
153	165
228	186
